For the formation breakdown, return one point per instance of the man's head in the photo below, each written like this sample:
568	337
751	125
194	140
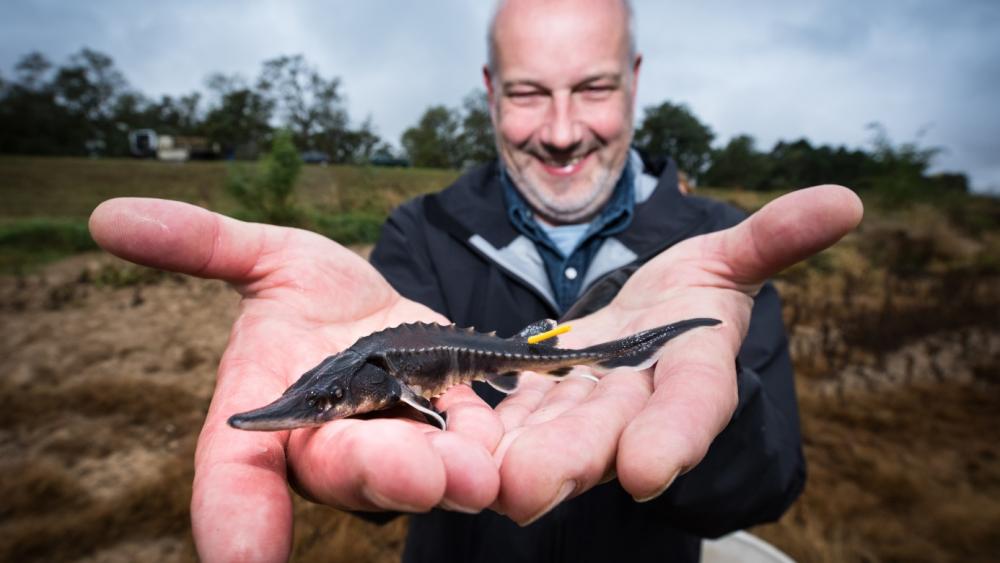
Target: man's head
562	77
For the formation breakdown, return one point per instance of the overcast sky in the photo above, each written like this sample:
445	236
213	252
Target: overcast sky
929	71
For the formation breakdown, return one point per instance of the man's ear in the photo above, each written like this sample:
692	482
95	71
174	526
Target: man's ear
635	76
488	82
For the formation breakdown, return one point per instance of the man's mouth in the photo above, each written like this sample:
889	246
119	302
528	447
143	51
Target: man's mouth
564	167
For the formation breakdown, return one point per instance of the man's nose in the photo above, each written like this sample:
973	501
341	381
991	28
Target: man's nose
561	130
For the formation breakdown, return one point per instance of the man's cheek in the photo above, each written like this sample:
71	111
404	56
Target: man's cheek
608	121
516	133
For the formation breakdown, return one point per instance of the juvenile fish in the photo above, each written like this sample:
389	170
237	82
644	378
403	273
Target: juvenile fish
413	363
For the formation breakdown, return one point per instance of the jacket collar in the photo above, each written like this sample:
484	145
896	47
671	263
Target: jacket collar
475	203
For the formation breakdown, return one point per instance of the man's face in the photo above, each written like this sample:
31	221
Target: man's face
562	103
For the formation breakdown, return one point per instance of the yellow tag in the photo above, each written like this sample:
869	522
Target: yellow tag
549	334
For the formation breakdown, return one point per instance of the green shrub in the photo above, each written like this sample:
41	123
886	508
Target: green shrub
30	242
349	228
266	193
47	234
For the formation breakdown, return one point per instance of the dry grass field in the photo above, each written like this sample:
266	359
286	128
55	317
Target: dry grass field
108	370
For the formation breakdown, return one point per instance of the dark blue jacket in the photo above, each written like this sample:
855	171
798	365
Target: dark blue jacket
457	253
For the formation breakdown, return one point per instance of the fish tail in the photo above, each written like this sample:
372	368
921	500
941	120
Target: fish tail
643	349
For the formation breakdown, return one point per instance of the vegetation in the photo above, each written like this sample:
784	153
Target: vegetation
267	194
893	336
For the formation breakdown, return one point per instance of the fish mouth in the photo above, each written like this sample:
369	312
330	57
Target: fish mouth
286	413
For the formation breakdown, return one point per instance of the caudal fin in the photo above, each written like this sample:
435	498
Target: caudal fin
642	350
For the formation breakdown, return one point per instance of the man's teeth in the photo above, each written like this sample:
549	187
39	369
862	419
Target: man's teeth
567	166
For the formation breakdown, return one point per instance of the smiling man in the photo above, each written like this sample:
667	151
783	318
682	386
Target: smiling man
638	466
562	88
569	203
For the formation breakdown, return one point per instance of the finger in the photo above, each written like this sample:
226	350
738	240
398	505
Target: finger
566	394
471	417
377	464
516	407
694	398
549	462
787	230
240	507
472	478
474	431
180	237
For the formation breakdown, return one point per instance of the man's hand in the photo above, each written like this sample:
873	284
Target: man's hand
304	298
561	440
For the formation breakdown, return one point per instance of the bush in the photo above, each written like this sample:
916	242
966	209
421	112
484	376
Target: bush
266	194
350	227
30	242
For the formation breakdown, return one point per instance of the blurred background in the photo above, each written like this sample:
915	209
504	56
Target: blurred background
327	115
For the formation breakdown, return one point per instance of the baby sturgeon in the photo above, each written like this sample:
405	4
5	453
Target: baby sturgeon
413	363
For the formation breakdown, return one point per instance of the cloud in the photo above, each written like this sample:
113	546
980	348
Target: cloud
777	70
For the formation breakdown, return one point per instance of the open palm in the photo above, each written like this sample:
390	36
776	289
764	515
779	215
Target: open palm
561	440
304	298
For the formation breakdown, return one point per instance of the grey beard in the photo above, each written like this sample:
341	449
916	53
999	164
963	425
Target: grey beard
552	211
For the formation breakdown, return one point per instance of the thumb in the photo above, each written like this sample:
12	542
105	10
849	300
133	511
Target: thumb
787	230
180	237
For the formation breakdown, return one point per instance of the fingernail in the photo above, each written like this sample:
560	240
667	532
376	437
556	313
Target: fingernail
660	491
449	505
564	491
384	503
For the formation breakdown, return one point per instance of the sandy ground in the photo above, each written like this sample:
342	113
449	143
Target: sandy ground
108	370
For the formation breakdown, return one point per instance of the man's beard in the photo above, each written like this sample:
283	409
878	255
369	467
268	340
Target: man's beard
553	205
578	209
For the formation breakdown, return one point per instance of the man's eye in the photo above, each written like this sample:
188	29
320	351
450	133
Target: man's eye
525	96
597	92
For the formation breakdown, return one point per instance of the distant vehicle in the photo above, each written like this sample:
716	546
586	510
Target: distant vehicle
389	161
142	143
315	157
146	143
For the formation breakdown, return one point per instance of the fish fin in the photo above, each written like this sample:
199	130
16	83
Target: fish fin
421	404
646	346
539	327
505	382
559	372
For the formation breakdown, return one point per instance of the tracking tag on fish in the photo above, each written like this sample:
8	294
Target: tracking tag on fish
561	329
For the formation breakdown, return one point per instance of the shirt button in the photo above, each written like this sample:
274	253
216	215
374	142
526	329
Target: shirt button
570	273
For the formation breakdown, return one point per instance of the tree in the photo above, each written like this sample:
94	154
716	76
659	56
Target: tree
738	164
239	119
31	120
308	104
673	130
477	143
434	141
88	89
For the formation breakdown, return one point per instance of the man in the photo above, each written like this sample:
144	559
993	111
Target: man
586	468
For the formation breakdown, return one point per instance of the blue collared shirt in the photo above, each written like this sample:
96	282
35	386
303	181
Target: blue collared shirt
566	272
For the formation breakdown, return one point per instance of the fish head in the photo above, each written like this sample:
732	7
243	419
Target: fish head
340	386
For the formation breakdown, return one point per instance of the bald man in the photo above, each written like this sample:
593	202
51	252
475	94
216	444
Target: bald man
636	467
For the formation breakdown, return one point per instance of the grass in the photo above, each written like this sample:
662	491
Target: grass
893	337
47	200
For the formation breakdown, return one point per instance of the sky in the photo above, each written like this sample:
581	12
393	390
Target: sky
928	71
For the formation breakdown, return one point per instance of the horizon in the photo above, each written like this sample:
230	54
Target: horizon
928	73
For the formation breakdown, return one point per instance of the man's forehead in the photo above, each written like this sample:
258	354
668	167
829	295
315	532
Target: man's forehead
561	40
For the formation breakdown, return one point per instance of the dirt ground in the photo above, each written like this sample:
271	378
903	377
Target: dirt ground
108	370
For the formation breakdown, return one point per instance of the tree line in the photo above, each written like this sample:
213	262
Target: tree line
86	106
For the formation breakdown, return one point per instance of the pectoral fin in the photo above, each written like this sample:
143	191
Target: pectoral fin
421	404
506	382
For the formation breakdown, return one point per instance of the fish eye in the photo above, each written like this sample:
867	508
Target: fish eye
337	392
